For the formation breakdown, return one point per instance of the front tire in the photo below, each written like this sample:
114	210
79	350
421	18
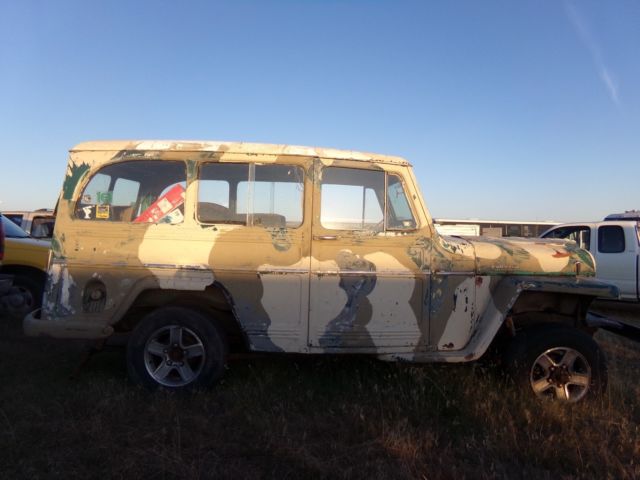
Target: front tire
30	288
557	362
176	348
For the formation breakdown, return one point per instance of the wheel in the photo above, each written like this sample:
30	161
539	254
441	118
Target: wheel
30	289
177	349
558	362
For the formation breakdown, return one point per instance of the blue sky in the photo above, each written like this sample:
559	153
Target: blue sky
507	110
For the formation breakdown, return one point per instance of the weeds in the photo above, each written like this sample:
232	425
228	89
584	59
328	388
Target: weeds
312	417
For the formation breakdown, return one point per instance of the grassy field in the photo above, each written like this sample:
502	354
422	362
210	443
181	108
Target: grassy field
294	417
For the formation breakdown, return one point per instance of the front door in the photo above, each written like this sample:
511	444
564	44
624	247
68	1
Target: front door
366	285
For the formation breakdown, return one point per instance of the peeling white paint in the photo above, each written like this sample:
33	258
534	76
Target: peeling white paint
458	327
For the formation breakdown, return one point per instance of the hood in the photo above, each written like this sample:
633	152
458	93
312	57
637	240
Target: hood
526	256
512	256
26	252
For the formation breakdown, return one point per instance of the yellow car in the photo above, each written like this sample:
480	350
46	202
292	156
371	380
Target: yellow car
26	259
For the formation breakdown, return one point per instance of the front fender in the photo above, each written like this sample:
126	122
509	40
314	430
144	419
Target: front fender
495	298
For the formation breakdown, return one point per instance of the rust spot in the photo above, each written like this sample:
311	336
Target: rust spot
478	281
448	345
560	254
470	356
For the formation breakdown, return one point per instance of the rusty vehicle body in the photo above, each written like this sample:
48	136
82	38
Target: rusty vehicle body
201	248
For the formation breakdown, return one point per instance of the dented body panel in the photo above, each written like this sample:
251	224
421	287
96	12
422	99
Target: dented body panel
306	250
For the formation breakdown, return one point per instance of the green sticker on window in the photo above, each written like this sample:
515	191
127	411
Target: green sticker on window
104	198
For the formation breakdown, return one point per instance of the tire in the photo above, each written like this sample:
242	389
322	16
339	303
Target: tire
557	362
176	348
31	288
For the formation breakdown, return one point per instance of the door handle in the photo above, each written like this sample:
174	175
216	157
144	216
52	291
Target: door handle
325	237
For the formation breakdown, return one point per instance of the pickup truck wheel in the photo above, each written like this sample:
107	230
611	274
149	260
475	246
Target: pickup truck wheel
30	290
557	362
177	349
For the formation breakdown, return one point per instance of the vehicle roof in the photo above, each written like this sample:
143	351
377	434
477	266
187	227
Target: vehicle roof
596	224
235	147
628	215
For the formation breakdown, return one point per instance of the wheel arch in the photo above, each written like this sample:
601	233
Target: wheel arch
214	303
26	270
540	307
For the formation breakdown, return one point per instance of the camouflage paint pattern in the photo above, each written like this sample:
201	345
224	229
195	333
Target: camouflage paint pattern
411	295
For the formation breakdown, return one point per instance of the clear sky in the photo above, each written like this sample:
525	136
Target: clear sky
525	110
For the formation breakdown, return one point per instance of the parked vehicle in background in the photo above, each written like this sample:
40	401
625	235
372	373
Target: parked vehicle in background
38	224
195	249
615	245
5	280
25	259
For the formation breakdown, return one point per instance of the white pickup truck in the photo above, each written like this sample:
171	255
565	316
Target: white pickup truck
615	245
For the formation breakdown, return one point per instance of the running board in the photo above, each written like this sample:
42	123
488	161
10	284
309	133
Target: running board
614	326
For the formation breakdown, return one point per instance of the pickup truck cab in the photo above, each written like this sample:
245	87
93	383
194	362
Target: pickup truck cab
615	245
38	224
198	249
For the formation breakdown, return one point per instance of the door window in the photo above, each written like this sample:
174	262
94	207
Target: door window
354	199
579	234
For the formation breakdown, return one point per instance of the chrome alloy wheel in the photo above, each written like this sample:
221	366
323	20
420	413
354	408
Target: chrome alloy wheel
561	372
174	356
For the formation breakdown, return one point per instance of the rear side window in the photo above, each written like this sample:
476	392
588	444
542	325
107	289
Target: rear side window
141	191
611	239
248	194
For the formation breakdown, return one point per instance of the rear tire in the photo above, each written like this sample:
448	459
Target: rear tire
176	348
557	362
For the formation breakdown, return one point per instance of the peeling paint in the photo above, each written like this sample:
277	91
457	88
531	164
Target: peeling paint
74	175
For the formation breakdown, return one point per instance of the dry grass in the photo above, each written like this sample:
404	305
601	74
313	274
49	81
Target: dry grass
293	417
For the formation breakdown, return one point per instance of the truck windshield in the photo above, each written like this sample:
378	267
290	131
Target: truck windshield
11	230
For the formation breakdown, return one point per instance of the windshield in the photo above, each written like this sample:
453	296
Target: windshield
11	230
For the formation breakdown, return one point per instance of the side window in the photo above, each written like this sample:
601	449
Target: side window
354	199
581	235
17	219
139	191
611	239
42	227
274	198
260	195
